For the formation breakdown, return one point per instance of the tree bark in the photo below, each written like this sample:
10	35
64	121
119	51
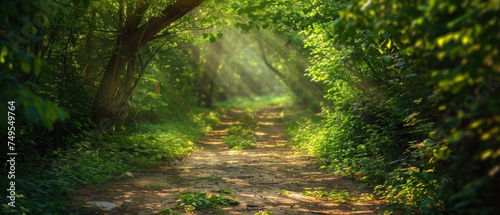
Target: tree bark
130	39
122	107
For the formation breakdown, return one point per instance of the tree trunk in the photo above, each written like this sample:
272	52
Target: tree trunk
128	42
103	100
122	107
211	70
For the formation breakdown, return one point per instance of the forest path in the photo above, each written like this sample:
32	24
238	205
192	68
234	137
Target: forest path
254	176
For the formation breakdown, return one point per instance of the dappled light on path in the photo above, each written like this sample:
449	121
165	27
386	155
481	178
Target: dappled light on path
270	177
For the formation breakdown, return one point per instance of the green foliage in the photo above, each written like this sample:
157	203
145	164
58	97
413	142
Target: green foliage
240	142
240	135
208	120
298	183
205	200
98	158
413	86
341	197
28	106
284	192
451	45
243	126
167	211
17	63
43	187
254	102
264	213
155	142
376	153
164	95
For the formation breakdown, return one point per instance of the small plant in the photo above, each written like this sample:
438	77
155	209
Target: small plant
189	208
167	211
205	200
298	183
240	129
284	192
265	213
240	142
366	197
341	197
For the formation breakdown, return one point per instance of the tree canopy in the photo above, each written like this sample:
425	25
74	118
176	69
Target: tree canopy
400	95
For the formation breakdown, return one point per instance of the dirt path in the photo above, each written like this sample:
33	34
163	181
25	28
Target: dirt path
255	177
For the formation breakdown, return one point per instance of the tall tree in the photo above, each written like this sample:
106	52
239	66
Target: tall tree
129	40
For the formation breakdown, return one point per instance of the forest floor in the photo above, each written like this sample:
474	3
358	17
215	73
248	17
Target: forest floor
271	177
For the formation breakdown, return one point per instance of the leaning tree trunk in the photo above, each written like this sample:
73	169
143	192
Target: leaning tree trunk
128	42
308	92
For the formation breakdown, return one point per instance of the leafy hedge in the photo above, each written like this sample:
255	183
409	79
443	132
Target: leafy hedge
414	86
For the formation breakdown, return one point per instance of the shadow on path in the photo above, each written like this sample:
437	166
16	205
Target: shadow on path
255	177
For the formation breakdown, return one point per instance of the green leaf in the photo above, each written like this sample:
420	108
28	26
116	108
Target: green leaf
442	153
25	66
95	4
4	53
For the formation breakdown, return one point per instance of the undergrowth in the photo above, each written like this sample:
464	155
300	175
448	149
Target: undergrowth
43	186
384	143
